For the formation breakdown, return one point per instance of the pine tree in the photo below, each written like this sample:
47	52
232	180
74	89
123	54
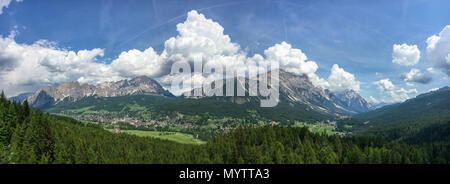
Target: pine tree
310	154
44	159
3	97
26	108
356	156
4	133
18	153
417	157
61	154
328	156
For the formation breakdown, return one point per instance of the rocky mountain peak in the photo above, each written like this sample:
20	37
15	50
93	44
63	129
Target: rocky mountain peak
75	90
353	101
298	90
142	79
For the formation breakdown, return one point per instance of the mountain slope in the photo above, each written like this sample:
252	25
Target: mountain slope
299	89
434	104
380	105
425	118
298	92
351	100
73	91
299	99
137	106
21	97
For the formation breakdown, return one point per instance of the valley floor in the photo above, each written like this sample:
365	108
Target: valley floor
164	135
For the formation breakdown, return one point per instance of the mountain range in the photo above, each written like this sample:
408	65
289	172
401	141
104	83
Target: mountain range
73	91
295	90
21	97
299	92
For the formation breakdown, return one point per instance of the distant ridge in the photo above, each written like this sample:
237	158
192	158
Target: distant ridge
432	104
296	91
46	96
21	97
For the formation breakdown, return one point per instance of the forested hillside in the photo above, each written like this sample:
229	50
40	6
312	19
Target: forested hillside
215	106
425	118
30	136
432	105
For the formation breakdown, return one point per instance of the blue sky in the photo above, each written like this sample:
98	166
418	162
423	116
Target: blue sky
357	35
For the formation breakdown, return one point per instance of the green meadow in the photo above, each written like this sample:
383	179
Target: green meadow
172	136
327	129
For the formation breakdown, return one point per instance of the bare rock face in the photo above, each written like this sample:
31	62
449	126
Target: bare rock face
41	99
74	90
352	101
298	89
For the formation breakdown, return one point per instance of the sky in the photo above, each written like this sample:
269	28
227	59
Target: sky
386	50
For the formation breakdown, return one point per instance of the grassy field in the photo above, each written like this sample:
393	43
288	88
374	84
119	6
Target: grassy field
85	110
328	129
172	136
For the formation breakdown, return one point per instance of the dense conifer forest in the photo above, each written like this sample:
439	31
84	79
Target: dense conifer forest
29	136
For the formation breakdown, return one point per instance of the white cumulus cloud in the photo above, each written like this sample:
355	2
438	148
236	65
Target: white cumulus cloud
340	80
405	54
27	67
402	90
135	63
199	35
431	70
395	96
415	75
385	85
295	61
5	4
373	100
438	50
398	97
